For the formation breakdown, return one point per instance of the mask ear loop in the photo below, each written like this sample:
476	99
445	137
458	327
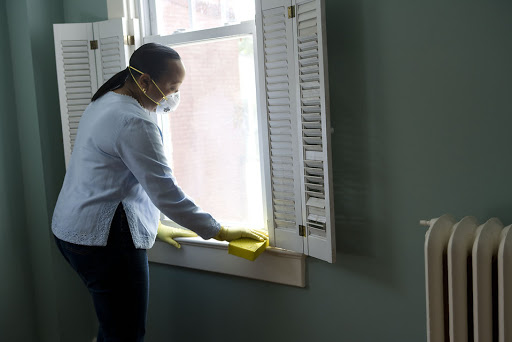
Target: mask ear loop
143	90
161	92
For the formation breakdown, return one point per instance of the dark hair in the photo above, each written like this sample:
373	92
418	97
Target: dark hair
150	58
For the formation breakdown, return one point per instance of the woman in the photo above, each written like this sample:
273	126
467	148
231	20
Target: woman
117	181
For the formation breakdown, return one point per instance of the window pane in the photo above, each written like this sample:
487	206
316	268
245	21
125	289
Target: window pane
189	15
213	135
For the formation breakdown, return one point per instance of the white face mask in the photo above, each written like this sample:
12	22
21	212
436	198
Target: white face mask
169	105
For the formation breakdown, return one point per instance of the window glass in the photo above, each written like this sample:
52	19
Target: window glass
175	16
212	138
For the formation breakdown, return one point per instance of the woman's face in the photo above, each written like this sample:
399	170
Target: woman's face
169	83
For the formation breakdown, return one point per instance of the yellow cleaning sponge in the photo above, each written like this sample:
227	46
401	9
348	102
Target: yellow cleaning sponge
247	248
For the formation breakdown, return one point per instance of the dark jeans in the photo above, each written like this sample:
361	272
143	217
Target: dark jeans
117	277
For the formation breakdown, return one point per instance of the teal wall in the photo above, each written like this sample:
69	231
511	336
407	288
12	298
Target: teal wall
16	291
420	106
420	102
79	11
42	299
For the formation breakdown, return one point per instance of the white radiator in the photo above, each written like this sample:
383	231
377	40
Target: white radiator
468	278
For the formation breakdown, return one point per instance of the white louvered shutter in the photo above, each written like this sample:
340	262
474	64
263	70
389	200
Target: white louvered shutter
111	55
277	77
314	128
76	76
82	68
293	61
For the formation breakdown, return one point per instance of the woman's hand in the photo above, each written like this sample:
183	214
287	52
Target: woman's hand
168	234
234	233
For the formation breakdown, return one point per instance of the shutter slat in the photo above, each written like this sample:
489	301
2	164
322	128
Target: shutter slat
272	19
276	49
278	86
106	59
75	48
80	43
277	26
81	72
307	24
275	42
279	116
110	41
278	94
277	72
276	56
279	101
76	54
306	16
306	7
278	11
70	61
113	64
274	34
276	65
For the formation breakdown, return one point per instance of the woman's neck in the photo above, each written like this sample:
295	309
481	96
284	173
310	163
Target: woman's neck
126	89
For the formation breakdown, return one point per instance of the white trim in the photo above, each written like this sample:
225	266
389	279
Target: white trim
261	110
152	18
122	9
274	265
244	28
116	9
144	17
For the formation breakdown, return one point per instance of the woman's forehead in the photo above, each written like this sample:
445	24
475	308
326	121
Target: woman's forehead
176	70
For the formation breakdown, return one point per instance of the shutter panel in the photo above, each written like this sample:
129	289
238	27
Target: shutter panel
111	56
81	70
76	76
277	80
314	128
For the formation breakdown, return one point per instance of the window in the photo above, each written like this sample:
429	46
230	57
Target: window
293	114
174	16
253	126
212	139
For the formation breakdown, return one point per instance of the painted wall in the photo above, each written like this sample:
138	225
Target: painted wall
78	11
17	319
45	300
419	103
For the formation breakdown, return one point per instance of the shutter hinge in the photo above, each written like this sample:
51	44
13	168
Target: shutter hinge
129	40
291	11
94	44
302	230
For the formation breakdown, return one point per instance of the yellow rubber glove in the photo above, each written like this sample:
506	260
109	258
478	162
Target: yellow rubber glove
167	234
234	233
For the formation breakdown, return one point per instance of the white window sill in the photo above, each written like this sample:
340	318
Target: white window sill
274	264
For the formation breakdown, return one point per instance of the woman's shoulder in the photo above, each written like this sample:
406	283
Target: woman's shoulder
120	101
120	106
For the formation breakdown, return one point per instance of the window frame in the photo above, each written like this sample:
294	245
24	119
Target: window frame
276	264
212	34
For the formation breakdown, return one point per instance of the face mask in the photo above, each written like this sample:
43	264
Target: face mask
167	104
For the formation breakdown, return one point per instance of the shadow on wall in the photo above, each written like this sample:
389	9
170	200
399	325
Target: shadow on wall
359	170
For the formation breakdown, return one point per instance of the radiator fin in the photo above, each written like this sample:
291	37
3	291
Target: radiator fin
468	273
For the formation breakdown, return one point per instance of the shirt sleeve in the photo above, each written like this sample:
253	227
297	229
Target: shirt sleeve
140	147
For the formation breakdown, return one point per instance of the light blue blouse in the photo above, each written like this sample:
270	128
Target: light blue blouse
119	157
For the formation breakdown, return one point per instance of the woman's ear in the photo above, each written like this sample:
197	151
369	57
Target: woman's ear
144	81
